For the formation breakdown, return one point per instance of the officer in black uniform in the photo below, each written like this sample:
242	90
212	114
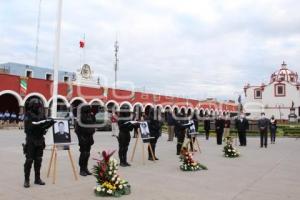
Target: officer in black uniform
85	129
155	125
181	124
36	127
125	126
220	124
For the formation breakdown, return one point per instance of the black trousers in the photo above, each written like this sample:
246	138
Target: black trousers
242	138
180	140
273	134
153	146
263	138
34	155
84	156
207	134
219	136
124	141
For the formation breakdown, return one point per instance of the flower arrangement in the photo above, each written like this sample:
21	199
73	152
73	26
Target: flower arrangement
229	150
109	182
188	164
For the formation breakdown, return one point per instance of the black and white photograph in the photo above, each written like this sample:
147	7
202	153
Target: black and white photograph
61	132
145	133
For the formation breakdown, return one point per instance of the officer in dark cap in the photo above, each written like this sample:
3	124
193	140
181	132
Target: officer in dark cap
181	124
85	129
125	126
155	125
36	126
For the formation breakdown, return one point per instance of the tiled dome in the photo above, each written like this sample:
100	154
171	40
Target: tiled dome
284	74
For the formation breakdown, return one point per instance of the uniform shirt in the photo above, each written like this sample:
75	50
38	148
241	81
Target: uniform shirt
6	115
1	115
13	116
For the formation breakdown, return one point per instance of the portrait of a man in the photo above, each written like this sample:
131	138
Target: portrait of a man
61	132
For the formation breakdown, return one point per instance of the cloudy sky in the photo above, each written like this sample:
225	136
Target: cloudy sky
194	48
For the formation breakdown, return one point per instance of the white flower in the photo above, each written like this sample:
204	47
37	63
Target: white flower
117	182
226	155
119	179
98	188
110	173
115	172
109	191
229	150
120	186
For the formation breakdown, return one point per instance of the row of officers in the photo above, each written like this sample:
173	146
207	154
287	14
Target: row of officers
36	126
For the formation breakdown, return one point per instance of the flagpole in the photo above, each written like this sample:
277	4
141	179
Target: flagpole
56	59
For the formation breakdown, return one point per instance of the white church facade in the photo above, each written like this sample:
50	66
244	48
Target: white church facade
275	98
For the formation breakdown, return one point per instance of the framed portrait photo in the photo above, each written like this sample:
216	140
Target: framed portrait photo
145	133
61	131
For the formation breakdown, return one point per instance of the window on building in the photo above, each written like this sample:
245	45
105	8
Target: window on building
48	77
29	73
257	94
280	90
292	79
66	79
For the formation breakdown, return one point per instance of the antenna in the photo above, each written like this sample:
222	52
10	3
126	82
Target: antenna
37	34
116	60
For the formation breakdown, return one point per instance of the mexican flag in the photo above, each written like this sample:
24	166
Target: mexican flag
23	86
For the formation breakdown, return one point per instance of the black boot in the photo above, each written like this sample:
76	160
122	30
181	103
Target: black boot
81	164
27	169
121	157
86	161
178	149
37	169
125	160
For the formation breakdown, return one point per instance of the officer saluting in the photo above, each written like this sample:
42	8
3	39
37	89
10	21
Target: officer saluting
36	127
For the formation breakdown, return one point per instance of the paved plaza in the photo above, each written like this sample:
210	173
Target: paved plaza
260	174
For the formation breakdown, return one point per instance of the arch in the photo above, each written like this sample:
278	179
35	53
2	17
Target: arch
114	103
212	112
16	95
148	104
168	107
42	97
160	107
10	103
78	98
139	104
127	103
59	97
96	100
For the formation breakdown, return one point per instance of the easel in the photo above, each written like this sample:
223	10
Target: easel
143	147
53	161
193	137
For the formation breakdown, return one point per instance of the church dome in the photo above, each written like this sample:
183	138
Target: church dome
284	74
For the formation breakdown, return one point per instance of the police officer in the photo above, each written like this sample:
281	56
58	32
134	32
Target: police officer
125	126
85	129
181	124
36	126
155	125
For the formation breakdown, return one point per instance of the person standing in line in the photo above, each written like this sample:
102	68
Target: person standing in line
6	117
21	121
219	123
242	125
125	126
13	118
85	130
155	125
207	126
1	118
263	124
36	126
170	123
227	126
273	128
